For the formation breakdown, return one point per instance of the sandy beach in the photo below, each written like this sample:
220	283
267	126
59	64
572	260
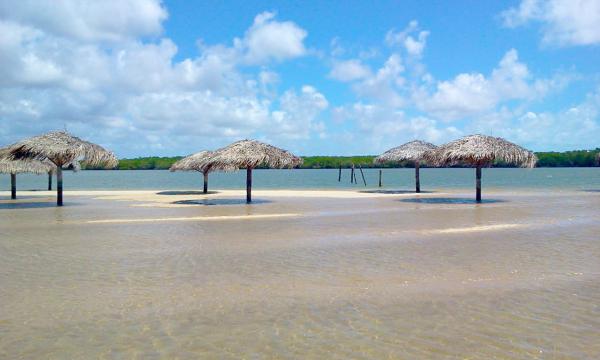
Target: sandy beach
317	274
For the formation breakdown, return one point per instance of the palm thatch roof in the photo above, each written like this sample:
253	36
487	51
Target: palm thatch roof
9	166
481	150
413	151
196	161
62	149
250	154
191	162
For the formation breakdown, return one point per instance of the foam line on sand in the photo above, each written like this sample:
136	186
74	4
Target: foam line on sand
193	218
474	229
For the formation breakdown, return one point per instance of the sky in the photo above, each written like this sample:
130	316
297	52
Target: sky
165	78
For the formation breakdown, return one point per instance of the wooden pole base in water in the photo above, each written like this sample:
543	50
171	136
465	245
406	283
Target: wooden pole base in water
249	185
59	186
417	179
340	174
380	177
478	183
13	186
50	181
362	174
205	182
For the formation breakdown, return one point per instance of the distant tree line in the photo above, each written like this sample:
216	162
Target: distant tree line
577	158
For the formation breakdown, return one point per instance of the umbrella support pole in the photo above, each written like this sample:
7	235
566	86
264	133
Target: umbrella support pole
362	174
205	190
13	186
417	179
49	181
380	177
59	186
478	183
249	185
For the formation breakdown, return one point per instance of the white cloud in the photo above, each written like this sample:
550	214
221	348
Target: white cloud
383	126
349	70
115	89
577	127
564	22
268	39
109	20
297	116
413	46
473	93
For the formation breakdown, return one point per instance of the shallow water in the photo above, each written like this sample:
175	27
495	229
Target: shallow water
431	179
336	278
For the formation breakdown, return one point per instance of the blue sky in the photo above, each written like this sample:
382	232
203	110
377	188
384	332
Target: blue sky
145	77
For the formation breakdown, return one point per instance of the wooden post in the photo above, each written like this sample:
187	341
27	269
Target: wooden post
249	185
205	182
417	180
50	181
352	175
380	177
478	183
13	186
340	174
59	186
362	174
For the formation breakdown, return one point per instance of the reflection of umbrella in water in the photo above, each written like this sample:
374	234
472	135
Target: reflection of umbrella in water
249	154
481	151
62	149
413	152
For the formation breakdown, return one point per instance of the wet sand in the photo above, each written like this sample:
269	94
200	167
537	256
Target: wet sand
300	274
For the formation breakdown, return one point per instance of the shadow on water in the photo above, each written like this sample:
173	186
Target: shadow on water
392	192
184	192
450	201
30	205
210	202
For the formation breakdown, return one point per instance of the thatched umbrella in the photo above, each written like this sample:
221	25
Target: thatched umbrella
249	154
14	167
194	163
480	151
62	149
413	151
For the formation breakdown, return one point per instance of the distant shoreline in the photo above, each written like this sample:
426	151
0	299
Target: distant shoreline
576	158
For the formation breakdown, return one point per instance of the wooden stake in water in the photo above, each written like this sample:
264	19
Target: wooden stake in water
50	181
362	174
417	180
249	185
478	184
380	177
352	174
59	186
340	174
13	186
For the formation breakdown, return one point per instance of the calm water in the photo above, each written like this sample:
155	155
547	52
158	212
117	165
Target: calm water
362	278
557	178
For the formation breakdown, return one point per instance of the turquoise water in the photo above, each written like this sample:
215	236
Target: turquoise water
553	178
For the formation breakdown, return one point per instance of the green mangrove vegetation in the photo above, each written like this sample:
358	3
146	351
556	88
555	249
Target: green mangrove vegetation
576	158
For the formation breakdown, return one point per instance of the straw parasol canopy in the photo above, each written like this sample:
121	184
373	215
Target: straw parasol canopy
62	148
194	163
413	151
14	167
481	151
249	154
